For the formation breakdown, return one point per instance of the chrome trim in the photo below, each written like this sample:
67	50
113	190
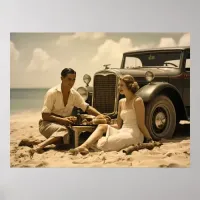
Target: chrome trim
86	90
106	73
160	120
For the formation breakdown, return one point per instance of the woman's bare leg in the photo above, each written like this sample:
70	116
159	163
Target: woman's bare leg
94	137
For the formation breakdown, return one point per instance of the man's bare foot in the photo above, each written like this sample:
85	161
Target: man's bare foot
81	150
29	142
36	149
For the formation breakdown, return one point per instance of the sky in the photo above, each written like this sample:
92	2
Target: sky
37	59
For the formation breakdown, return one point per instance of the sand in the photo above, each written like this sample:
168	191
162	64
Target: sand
173	153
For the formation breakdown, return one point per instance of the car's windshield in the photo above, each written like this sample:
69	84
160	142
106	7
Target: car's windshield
152	59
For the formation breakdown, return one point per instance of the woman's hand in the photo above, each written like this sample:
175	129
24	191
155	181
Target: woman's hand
149	140
115	126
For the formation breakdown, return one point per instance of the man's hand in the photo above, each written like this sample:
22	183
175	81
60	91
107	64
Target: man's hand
108	119
69	120
73	119
102	116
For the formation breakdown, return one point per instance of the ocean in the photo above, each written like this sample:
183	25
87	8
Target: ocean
26	99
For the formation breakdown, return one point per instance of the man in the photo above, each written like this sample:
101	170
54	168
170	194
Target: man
57	109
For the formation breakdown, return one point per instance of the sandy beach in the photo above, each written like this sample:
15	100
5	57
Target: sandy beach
173	153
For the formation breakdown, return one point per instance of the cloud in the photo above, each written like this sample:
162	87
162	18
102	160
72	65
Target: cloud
144	46
42	61
170	42
66	39
111	51
72	63
88	36
167	42
185	40
14	54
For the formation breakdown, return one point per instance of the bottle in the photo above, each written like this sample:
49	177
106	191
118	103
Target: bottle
79	120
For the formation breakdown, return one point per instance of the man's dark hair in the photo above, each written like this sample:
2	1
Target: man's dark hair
67	71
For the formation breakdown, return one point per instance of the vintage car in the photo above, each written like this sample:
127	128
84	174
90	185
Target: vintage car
163	75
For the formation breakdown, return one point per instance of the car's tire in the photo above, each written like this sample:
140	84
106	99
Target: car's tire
161	117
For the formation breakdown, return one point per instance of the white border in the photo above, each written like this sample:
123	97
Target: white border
106	16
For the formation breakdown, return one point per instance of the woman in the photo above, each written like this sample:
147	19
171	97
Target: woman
130	128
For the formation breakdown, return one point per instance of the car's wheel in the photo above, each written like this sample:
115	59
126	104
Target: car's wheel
161	117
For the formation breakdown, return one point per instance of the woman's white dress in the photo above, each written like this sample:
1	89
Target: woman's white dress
129	134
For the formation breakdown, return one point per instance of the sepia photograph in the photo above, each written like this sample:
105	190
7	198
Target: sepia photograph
100	99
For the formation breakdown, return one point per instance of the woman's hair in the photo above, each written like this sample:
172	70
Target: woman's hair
67	71
130	82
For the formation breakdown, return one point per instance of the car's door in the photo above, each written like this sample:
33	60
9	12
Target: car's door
186	89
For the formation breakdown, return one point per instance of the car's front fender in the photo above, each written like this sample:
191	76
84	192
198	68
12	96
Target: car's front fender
149	91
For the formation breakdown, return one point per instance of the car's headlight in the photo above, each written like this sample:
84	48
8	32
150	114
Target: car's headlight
149	76
86	79
83	92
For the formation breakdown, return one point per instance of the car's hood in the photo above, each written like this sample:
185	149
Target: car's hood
158	72
161	74
140	72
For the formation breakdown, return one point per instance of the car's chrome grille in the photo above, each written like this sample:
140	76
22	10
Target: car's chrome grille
104	93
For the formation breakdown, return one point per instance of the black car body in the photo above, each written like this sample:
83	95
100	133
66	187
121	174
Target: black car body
166	98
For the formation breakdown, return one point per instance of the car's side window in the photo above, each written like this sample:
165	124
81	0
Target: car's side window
187	63
132	62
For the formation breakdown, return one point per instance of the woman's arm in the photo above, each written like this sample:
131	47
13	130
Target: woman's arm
119	120
140	115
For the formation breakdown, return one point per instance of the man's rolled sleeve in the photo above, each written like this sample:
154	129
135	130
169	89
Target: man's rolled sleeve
48	103
80	103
